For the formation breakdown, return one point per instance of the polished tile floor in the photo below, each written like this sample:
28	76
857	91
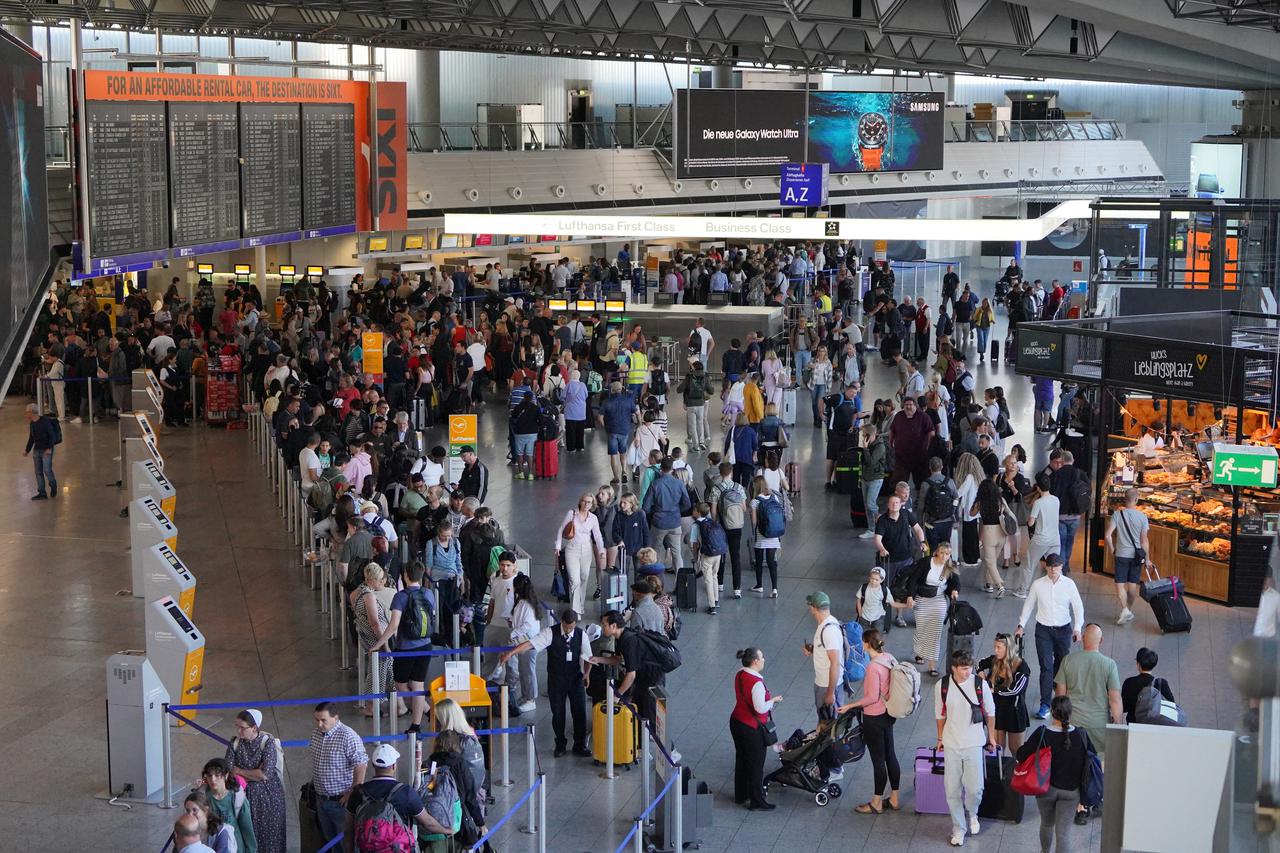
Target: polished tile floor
65	560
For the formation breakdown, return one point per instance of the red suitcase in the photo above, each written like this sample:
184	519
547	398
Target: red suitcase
546	460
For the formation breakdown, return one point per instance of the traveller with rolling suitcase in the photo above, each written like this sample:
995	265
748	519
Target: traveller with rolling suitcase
788	412
964	705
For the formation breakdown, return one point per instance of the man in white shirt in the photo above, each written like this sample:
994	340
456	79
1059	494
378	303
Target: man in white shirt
1059	615
708	343
160	344
309	467
560	275
827	652
369	512
914	386
497	623
186	836
965	714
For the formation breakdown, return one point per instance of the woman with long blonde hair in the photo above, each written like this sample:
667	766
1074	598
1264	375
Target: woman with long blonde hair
1008	674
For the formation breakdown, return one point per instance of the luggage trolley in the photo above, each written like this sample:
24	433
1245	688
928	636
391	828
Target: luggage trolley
222	393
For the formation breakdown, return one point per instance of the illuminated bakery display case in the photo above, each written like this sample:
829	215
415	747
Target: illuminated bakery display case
1183	410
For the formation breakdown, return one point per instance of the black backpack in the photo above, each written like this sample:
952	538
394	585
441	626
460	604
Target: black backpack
1081	492
657	382
658	654
549	425
940	505
964	619
695	342
419	619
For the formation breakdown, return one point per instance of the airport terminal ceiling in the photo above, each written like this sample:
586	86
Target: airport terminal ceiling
1172	42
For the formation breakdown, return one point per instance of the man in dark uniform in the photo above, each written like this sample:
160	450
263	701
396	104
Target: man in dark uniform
568	670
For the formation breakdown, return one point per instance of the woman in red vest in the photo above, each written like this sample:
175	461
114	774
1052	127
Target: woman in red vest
752	728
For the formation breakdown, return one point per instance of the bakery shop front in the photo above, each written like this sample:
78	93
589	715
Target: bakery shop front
1182	408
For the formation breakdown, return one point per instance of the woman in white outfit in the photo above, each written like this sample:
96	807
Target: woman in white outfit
526	622
578	539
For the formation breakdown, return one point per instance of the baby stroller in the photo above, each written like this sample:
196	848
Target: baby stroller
806	757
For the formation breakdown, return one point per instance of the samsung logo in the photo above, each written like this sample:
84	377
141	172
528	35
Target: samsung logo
925	106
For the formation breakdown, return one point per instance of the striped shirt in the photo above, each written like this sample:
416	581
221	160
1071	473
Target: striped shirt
334	756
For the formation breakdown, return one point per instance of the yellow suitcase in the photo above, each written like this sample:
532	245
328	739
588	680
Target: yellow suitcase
624	734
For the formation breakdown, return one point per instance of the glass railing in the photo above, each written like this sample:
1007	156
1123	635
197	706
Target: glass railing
57	144
1070	130
537	136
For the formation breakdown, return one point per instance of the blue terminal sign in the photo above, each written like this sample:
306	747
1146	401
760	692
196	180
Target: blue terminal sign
804	184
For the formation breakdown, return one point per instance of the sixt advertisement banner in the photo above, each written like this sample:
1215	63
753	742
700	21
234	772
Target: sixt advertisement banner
740	133
1196	373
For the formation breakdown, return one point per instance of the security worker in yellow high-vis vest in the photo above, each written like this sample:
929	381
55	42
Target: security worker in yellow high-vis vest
637	374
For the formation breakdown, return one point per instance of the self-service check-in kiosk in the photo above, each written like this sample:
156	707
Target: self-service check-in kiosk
147	480
135	718
148	525
175	648
147	395
166	575
136	450
135	425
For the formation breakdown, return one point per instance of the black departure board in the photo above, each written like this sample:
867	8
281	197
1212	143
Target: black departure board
128	178
204	175
329	155
271	169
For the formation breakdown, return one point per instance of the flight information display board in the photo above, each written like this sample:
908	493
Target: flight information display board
271	169
128	178
204	174
329	150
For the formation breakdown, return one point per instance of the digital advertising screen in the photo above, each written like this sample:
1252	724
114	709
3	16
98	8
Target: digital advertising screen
876	131
1217	170
739	133
24	244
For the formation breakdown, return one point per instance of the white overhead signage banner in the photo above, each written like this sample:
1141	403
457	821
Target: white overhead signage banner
769	228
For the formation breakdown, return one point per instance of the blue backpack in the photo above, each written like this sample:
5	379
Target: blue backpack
713	542
771	519
855	657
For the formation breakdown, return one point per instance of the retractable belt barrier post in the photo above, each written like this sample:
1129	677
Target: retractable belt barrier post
533	826
609	710
504	712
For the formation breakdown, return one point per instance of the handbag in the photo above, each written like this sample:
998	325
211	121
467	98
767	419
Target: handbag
1031	775
1008	521
570	530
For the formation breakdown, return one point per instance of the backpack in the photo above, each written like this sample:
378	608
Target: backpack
771	520
833	402
1153	709
380	828
712	538
964	619
941	503
657	382
1080	493
695	342
658	653
732	515
374	526
440	796
904	690
419	620
56	429
946	680
904	584
855	657
595	382
549	423
884	595
322	493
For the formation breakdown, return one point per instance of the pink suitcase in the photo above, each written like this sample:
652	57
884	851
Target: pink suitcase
931	789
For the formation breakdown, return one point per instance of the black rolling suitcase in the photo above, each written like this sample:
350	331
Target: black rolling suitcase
1167	597
1010	350
999	801
686	589
995	352
848	468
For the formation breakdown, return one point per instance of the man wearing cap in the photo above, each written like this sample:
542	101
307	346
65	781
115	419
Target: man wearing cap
616	416
385	786
827	653
337	767
568	671
474	479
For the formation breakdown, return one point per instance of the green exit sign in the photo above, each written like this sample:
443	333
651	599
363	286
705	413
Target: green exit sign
1244	465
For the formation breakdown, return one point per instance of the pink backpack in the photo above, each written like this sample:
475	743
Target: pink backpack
380	828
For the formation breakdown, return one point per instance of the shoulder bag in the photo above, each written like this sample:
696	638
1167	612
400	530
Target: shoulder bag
1008	521
1031	775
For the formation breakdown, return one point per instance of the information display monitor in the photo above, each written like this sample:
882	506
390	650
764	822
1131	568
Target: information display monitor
329	181
204	175
128	177
271	169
